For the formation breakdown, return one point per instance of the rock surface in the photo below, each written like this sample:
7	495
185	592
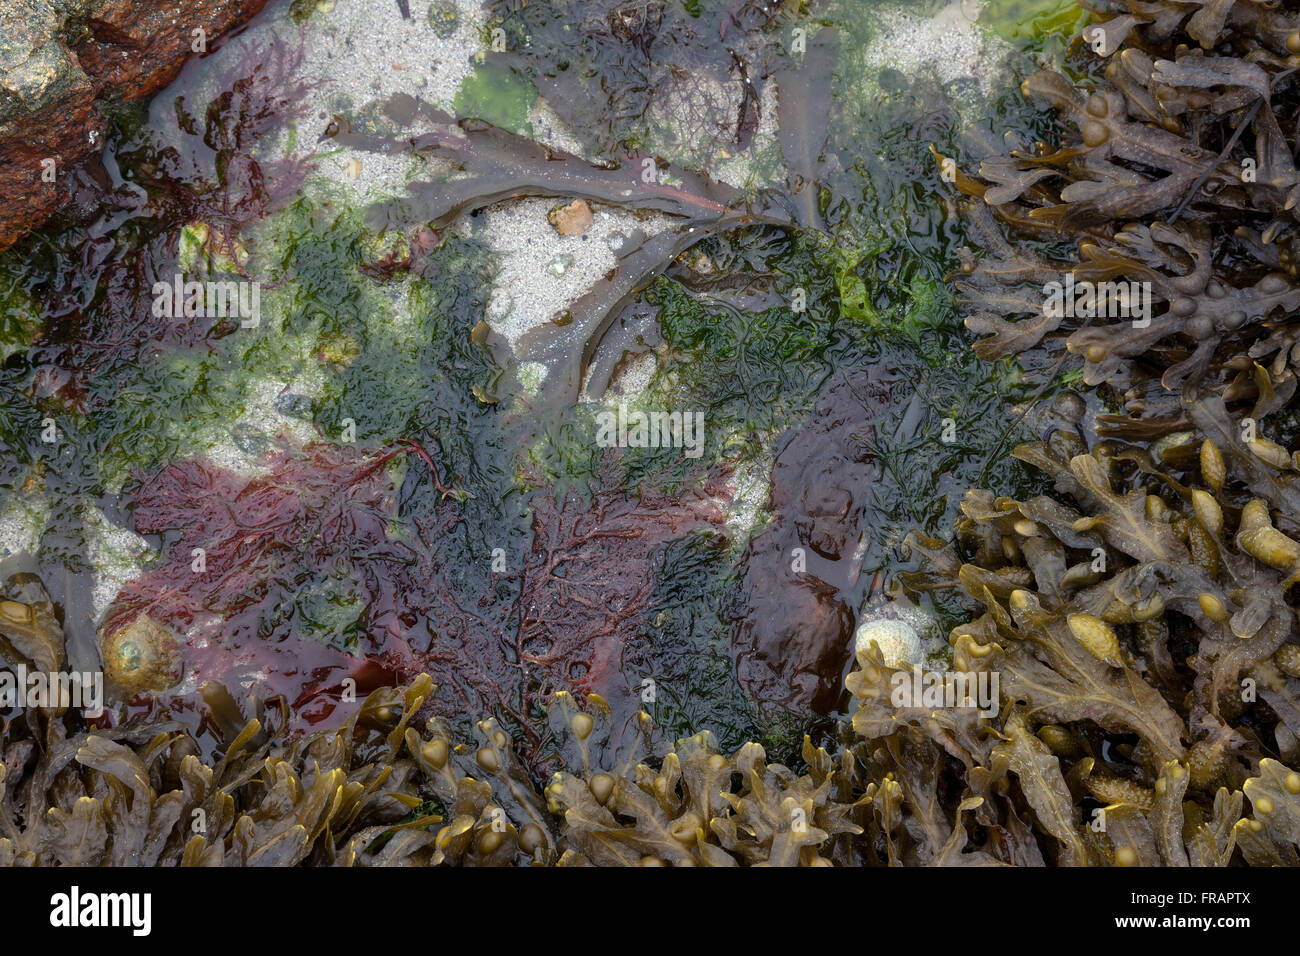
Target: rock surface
60	60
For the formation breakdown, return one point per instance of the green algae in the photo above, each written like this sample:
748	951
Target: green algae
1034	24
498	96
300	11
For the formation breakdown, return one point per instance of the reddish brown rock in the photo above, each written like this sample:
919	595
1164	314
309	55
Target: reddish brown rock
573	219
60	61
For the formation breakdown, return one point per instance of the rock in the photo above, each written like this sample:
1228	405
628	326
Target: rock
573	219
61	59
443	17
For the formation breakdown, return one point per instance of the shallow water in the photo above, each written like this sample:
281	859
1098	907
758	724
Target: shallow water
377	492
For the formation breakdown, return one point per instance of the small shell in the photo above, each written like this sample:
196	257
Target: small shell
1096	637
573	219
899	644
141	656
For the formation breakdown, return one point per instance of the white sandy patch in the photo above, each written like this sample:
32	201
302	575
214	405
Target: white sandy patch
949	45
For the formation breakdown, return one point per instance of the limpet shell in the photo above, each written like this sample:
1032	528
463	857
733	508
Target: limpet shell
141	656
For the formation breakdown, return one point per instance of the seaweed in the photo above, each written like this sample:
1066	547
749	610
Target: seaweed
792	634
502	165
357	796
312	576
803	122
676	78
1156	181
1132	593
1138	615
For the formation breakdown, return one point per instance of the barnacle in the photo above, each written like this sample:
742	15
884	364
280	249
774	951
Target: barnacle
898	642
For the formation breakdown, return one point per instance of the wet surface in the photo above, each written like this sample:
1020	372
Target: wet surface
801	572
466	523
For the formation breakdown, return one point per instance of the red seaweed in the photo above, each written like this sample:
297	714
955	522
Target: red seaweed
579	602
98	305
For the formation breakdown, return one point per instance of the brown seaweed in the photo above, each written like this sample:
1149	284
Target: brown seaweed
803	121
501	165
792	638
1157	177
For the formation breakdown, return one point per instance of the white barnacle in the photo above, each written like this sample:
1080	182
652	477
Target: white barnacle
900	646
